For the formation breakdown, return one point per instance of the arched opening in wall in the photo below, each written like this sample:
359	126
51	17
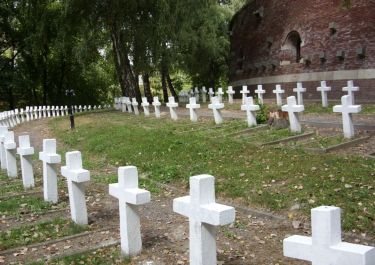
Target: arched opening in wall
292	47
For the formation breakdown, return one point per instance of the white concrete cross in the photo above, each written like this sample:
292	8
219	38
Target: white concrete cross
48	111
10	150
299	90
128	104
278	91
135	106
66	110
324	90
230	93
53	111
220	94
204	215
27	110
292	108
77	177
145	106
196	94
89	107
350	88
62	111
347	109
216	107
3	158
325	246
36	112
193	106
16	113
244	93
25	152
156	103
44	112
172	105
211	93
85	108
204	94
50	159
57	110
129	196
22	115
260	91
40	110
80	108
250	109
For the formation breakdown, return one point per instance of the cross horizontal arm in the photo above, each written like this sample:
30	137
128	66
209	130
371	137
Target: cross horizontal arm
133	196
298	247
76	175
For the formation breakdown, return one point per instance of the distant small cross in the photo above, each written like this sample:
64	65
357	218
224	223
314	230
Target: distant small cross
299	90
193	106
278	91
350	88
244	93
324	90
250	109
260	91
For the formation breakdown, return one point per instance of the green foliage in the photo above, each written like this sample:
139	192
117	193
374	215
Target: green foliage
262	114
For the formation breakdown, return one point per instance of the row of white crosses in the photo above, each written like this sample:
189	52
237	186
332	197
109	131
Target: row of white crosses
205	215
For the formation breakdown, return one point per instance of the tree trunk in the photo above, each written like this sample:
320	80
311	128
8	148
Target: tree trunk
171	87
146	86
164	84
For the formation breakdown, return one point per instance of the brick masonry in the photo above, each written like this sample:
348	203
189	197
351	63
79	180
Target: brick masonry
263	45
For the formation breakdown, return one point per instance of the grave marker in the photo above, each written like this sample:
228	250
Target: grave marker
350	88
292	108
230	93
250	109
3	159
299	90
196	91
135	106
156	103
50	158
324	90
145	106
216	107
129	196
260	91
244	93
204	215
77	177
10	151
172	105
325	246
278	91
204	94
347	109
25	152
211	93
220	94
193	106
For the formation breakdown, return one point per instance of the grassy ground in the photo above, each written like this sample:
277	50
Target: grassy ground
317	108
30	234
273	178
324	142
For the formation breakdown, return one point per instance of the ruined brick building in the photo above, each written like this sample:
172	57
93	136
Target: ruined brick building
288	41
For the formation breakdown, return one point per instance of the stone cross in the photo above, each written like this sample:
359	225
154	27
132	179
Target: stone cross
230	93
89	107
292	108
40	110
324	90
135	106
145	106
129	196
204	215
3	158
278	91
156	103
128	104
250	109
211	93
216	107
172	105
77	177
350	88
48	111
27	111
299	90
44	111
204	94
325	246
10	151
36	113
220	94
57	110
196	93
244	93
80	108
260	91
85	108
22	115
50	159
53	111
16	115
347	109
193	106
67	110
25	152
62	111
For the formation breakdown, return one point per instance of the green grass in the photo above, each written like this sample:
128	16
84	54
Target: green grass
40	232
265	136
317	108
103	256
268	177
25	205
11	187
325	142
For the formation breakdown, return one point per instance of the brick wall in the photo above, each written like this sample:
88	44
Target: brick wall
258	45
